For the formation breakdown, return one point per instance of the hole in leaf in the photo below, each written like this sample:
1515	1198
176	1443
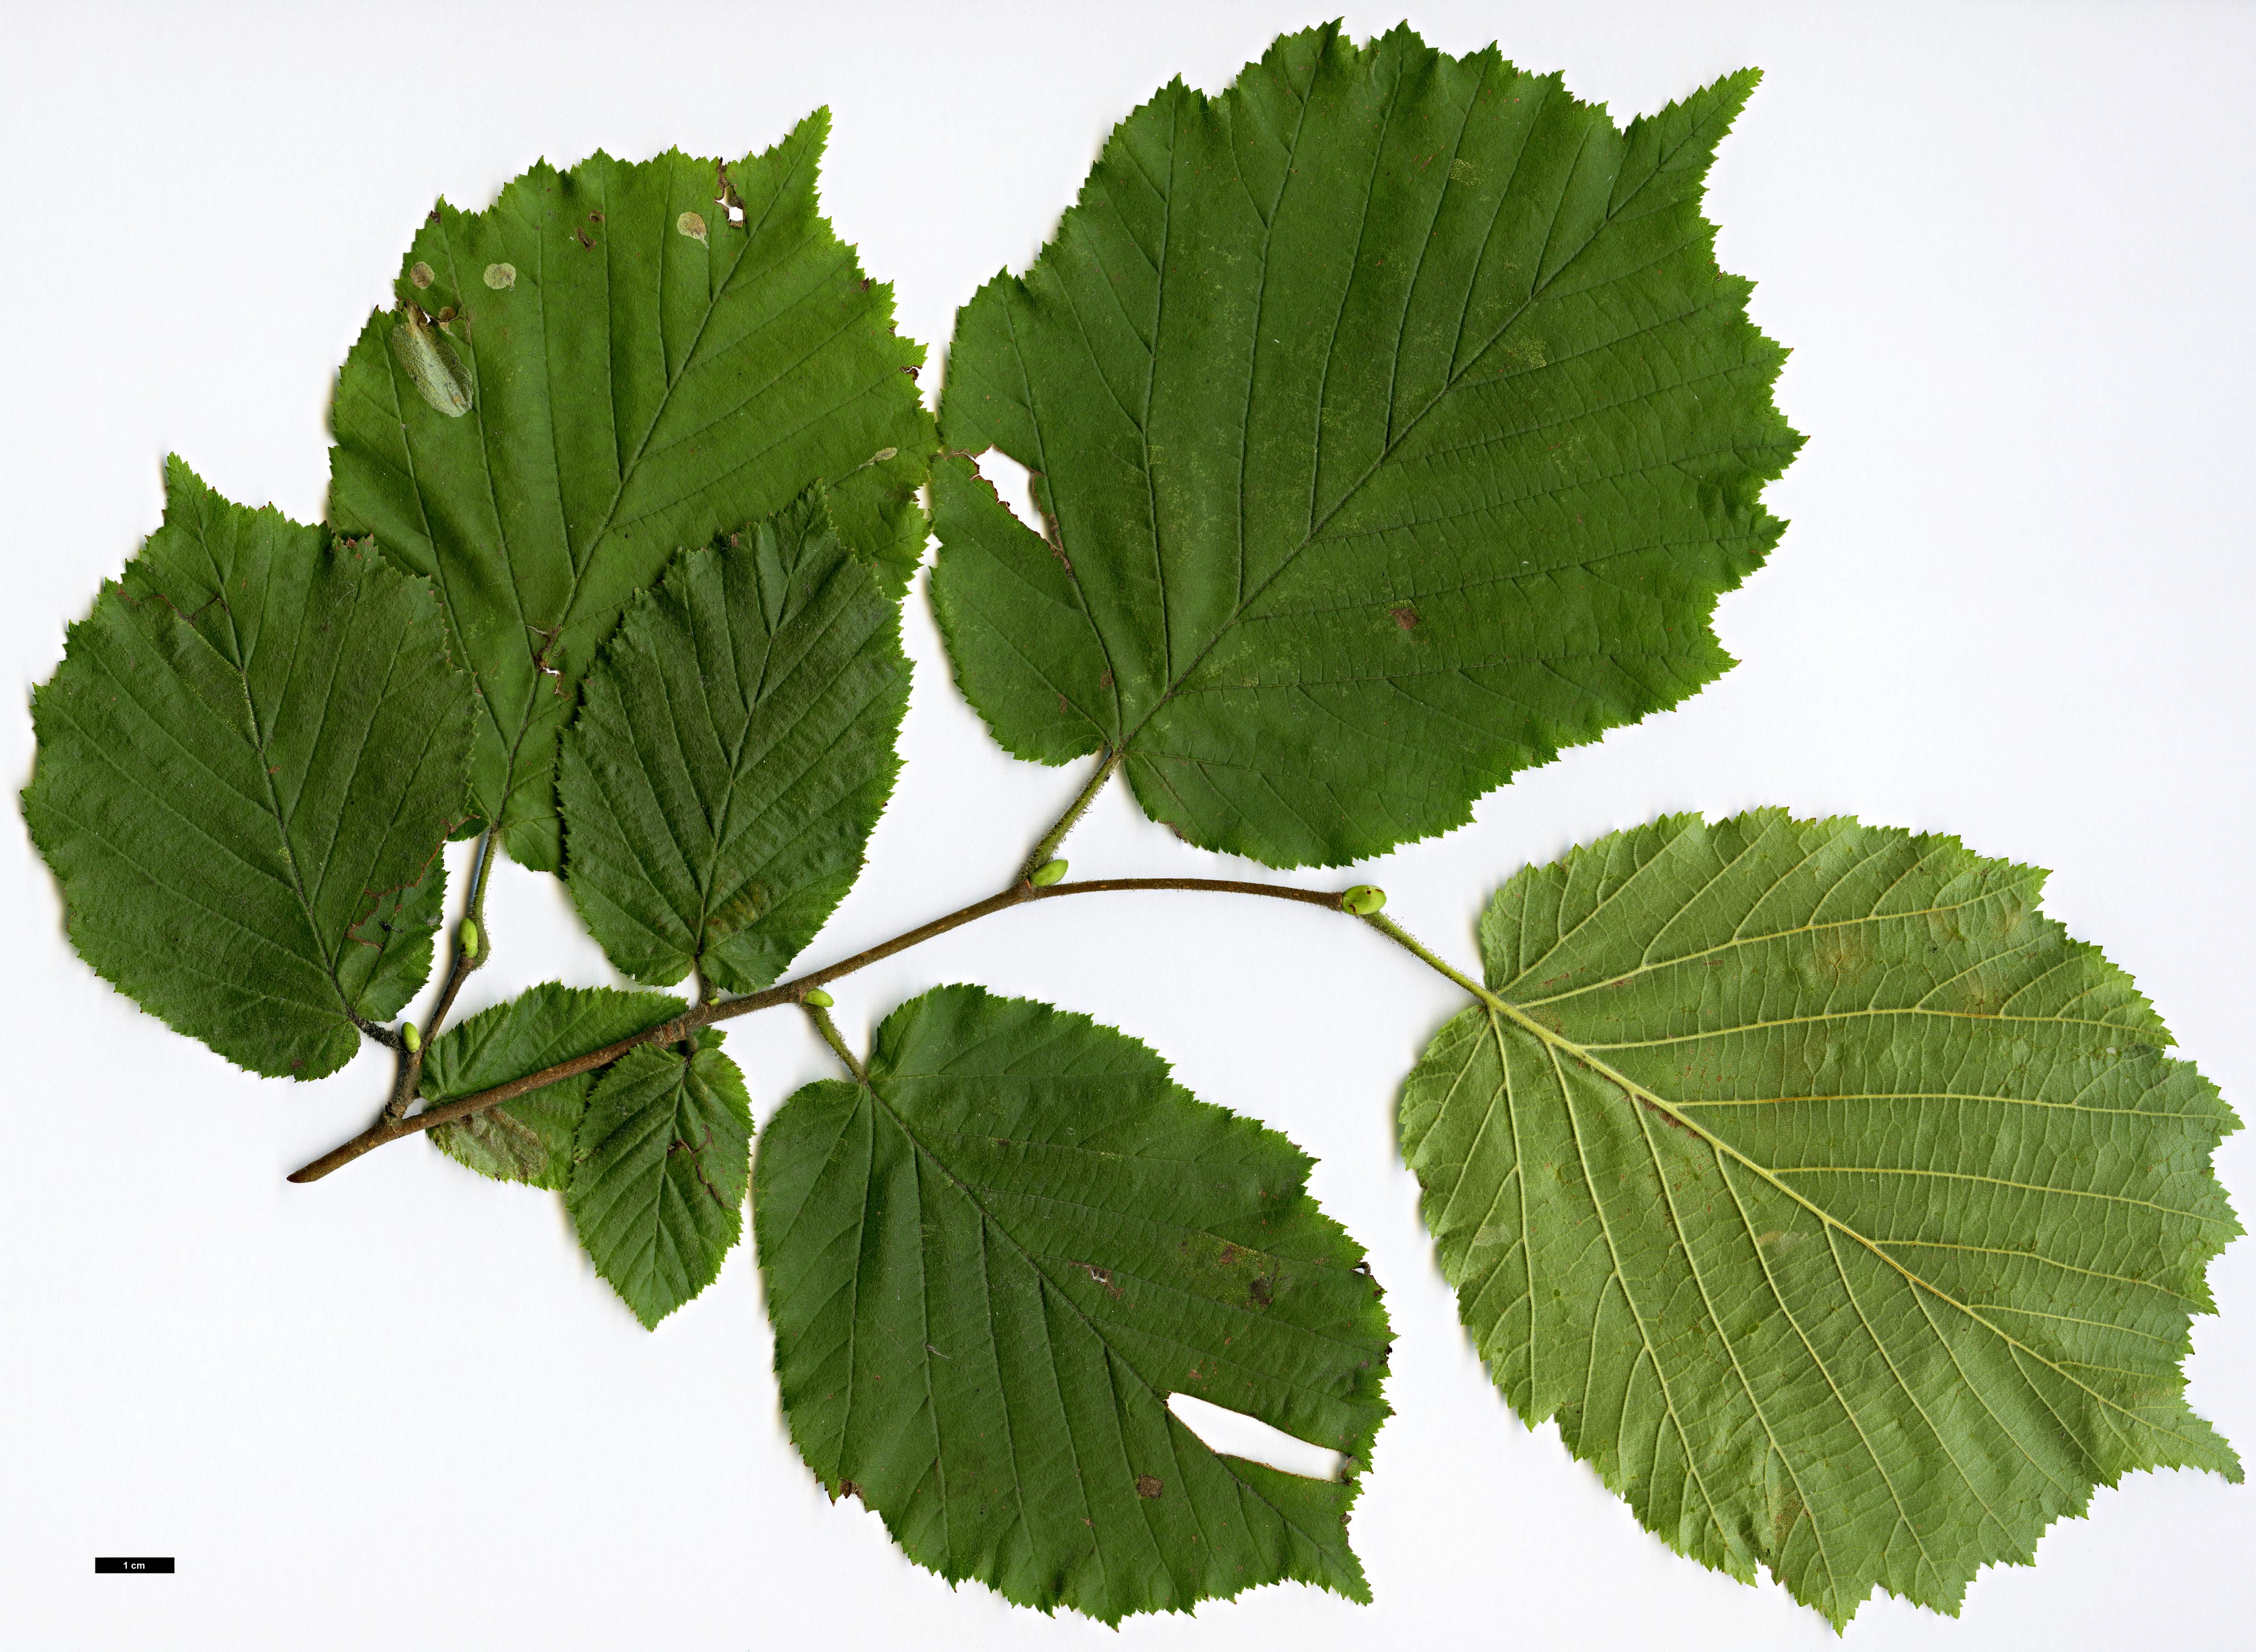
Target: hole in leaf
1013	484
1235	1434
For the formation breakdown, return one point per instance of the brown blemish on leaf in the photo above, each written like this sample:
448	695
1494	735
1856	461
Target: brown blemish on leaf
541	661
693	226
1782	1522
696	1153
1262	1290
1149	1486
847	1488
1840	955
422	274
1665	1117
1405	615
728	196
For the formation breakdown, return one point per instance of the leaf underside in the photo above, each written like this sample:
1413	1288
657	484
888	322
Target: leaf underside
733	752
1392	428
989	1268
248	762
659	1174
1846	1214
642	374
530	1138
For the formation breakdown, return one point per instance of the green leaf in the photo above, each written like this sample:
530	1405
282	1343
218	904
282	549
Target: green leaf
657	1179
734	749
248	762
1392	426
1846	1214
529	1138
643	372
988	1268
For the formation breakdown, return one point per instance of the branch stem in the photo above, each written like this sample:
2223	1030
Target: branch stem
391	1126
473	911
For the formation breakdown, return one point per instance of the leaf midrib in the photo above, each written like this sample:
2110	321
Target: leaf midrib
674	380
294	879
1584	1055
1114	1356
755	701
515	742
1394	441
1636	1316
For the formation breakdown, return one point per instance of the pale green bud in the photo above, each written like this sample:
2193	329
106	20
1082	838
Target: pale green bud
1363	899
1047	874
469	938
409	1037
817	997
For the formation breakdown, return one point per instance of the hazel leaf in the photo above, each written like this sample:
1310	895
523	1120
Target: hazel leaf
1393	427
530	1138
1846	1214
249	760
989	1265
626	387
733	752
658	1176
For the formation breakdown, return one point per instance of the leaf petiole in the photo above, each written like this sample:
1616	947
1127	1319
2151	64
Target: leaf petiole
820	1015
1425	955
1046	847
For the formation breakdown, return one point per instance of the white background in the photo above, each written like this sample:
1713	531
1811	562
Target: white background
2010	250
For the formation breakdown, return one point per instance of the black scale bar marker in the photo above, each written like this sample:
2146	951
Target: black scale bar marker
133	1563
